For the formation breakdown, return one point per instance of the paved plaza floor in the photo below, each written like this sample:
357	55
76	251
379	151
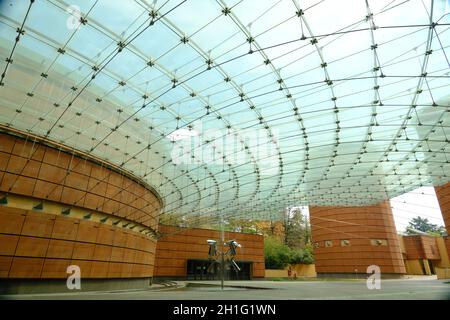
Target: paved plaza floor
416	288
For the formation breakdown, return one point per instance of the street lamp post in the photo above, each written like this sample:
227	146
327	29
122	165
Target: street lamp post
230	253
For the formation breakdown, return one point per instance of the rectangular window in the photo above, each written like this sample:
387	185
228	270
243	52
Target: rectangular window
345	243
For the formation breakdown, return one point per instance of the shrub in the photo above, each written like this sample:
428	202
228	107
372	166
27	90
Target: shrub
279	256
308	255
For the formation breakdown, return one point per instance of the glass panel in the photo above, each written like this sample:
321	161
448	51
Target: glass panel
238	107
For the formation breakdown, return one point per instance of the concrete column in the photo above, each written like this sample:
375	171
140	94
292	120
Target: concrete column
349	239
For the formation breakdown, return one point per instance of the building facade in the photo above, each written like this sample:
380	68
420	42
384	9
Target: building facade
182	253
348	240
59	208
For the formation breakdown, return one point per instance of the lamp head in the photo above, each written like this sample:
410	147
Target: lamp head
212	248
233	244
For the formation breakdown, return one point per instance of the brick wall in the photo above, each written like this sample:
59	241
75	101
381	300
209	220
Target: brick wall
42	246
39	171
180	244
421	247
361	227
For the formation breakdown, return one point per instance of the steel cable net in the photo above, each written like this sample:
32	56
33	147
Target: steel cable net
238	109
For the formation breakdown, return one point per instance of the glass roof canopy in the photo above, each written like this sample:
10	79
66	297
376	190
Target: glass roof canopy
238	107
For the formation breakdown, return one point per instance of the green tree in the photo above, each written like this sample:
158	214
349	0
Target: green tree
303	256
296	229
277	254
422	224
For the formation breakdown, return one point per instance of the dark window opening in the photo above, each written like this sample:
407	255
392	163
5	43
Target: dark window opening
207	270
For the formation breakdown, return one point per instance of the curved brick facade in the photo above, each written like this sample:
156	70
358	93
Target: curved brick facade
60	209
41	246
36	170
349	239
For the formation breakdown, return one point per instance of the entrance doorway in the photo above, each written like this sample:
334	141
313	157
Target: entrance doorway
197	269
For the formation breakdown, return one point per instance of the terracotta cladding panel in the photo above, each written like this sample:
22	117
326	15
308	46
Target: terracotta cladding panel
83	251
81	166
38	225
23	166
5	265
179	263
102	253
73	196
87	232
112	191
147	245
117	254
26	267
52	174
110	206
127	270
97	187
126	197
120	239
65	228
47	190
7	181
132	241
92	201
105	235
11	220
413	247
174	272
76	181
18	184
22	147
116	179
115	270
99	269
4	159
60	249
8	244
129	255
56	158
85	267
139	203
55	268
141	257
126	211
7	143
100	173
149	197
31	247
138	270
